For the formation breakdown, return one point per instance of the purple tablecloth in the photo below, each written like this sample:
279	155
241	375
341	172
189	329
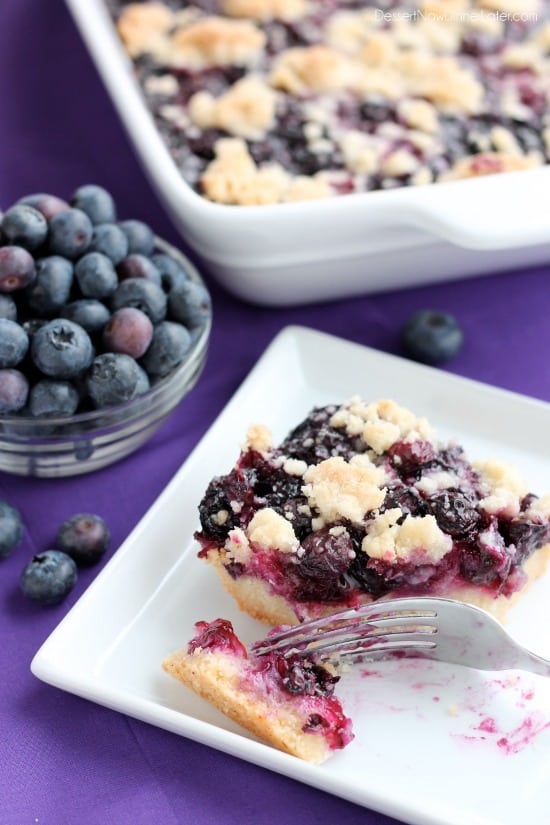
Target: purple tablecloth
63	759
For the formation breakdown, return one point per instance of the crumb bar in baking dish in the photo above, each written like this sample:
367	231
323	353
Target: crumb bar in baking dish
268	101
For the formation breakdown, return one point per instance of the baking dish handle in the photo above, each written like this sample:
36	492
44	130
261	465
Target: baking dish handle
503	211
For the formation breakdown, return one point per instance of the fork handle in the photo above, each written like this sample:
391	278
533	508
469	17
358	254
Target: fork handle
534	664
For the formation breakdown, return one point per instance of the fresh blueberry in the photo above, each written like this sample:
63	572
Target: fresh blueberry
96	202
47	205
11	528
49	577
142	294
96	275
61	349
49	398
50	290
91	314
115	378
140	237
84	537
8	307
14	343
22	225
17	268
172	274
128	330
70	233
138	266
170	344
190	304
109	239
14	391
432	336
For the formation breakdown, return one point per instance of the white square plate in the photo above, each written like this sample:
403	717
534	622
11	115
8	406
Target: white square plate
435	744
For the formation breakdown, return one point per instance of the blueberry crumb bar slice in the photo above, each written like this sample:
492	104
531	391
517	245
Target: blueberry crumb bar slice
287	702
362	502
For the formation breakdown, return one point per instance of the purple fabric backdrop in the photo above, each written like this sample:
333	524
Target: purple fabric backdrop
65	760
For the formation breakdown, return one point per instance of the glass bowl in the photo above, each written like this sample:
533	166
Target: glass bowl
73	445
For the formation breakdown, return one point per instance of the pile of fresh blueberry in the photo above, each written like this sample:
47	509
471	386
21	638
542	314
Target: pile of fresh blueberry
92	314
51	575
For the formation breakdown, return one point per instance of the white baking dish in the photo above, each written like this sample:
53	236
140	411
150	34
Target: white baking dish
320	250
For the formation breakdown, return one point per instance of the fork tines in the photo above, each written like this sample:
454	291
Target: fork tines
370	629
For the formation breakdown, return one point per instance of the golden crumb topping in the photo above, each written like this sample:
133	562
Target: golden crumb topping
381	423
265	9
234	178
140	25
259	438
502	485
490	163
271	531
338	489
246	110
237	546
216	41
417	539
539	508
313	69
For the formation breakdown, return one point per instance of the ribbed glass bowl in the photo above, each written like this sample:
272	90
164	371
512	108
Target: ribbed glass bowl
69	446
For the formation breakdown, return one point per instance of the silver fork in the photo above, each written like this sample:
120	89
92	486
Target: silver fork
441	629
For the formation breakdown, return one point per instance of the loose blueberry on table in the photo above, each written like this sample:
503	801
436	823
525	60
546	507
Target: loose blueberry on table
83	298
49	577
283	100
85	537
432	336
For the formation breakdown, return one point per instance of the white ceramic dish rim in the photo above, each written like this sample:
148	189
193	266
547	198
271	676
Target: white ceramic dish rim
57	661
502	211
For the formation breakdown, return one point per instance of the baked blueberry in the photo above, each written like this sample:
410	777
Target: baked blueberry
114	378
140	237
49	577
17	268
22	225
70	233
14	391
11	528
455	512
51	288
95	275
84	537
432	336
89	313
109	239
170	344
128	330
190	304
96	202
49	398
14	343
61	349
142	294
